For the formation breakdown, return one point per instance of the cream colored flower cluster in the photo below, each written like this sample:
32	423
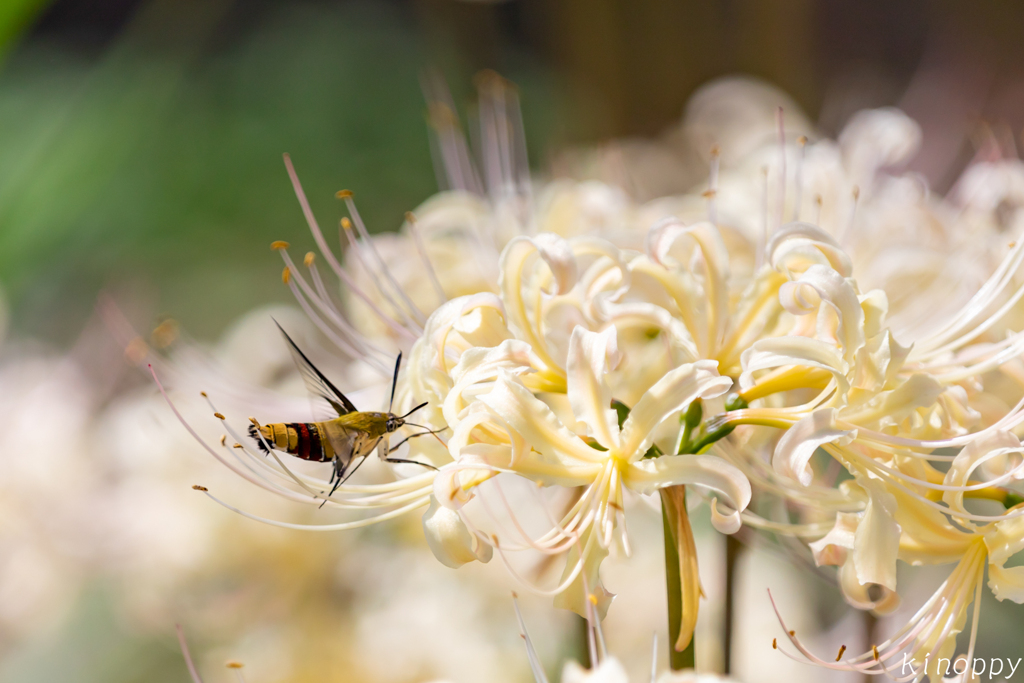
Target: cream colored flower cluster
814	344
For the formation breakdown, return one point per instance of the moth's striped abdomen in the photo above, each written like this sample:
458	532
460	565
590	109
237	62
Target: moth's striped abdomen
306	440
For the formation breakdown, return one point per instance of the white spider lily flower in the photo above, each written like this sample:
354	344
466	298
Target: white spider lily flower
534	318
925	645
518	432
526	381
865	545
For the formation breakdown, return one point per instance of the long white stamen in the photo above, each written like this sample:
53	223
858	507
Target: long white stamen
188	657
416	504
358	338
531	654
654	657
713	187
227	463
780	209
763	242
318	237
986	294
300	296
364	235
847	230
802	143
592	640
378	276
410	220
958	514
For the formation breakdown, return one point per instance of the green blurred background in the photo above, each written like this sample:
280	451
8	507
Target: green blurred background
141	142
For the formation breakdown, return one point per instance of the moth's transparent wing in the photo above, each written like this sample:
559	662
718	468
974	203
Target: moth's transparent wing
328	401
343	441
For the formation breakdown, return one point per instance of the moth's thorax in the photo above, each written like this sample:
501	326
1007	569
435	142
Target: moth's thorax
371	423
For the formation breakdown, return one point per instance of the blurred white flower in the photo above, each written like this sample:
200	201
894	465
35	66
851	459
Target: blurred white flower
558	331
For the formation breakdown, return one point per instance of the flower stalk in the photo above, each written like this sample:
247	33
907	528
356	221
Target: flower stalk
681	577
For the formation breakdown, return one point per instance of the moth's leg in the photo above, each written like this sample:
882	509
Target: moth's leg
411	462
340	477
343	477
413	436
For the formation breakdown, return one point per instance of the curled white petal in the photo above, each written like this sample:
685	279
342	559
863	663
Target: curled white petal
725	523
859	594
707	471
795	448
877	540
1004	540
998	446
1007	583
831	549
669	395
840	316
449	538
780	351
589	394
536	422
557	253
796	246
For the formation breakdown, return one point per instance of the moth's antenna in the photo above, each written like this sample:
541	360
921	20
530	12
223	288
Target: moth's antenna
394	381
413	410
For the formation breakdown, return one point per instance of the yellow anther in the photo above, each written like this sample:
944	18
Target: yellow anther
514	595
286	275
164	334
1012	244
346	224
494	540
441	116
238	445
874	652
842	649
343	194
253	420
792	633
775	644
203	394
137	350
219	416
279	244
802	140
308	260
818	200
592	599
714	151
223	439
486	77
410	217
708	194
234	665
197	487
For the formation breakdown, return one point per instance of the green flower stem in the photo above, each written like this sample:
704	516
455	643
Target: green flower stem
732	552
673	580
